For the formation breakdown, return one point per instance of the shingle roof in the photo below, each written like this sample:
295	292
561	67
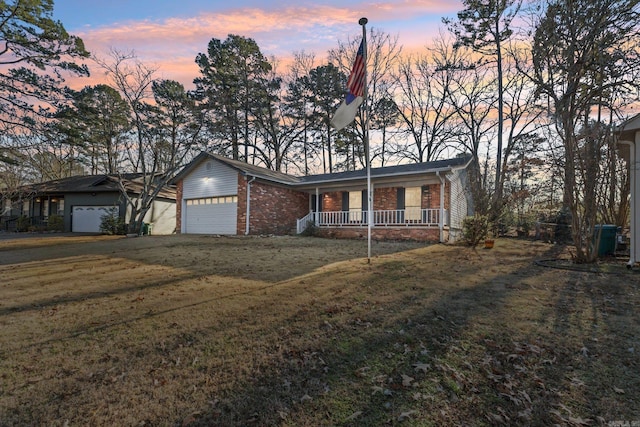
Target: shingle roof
387	171
93	184
259	171
282	178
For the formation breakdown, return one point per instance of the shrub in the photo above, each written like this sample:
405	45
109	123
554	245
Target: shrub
112	223
55	223
23	223
310	230
475	229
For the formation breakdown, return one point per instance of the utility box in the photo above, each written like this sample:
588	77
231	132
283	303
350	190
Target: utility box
608	233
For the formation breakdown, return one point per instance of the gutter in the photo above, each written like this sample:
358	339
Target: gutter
362	178
246	229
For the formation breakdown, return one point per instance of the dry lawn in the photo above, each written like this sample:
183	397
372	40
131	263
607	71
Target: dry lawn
288	331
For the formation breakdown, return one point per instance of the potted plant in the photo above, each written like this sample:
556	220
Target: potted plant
489	242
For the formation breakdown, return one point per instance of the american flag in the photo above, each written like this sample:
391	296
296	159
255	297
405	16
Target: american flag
355	84
347	111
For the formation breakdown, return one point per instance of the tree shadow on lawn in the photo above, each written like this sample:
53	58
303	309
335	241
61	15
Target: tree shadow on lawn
596	329
251	258
427	337
473	355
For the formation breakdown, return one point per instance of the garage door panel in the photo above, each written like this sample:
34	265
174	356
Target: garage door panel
211	218
87	219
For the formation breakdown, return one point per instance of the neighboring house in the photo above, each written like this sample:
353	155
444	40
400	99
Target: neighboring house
82	201
423	201
629	144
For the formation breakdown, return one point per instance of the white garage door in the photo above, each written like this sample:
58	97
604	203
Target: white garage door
87	219
211	215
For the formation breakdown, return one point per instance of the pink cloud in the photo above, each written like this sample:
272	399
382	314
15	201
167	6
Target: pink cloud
172	44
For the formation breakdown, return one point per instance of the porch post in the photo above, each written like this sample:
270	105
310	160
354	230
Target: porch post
441	213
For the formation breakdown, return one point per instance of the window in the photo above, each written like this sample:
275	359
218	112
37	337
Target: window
413	203
355	205
212	200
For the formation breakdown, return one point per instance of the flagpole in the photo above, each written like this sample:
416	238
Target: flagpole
363	22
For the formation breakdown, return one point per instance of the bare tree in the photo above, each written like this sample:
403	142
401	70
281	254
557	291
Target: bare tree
583	52
134	81
471	93
422	93
484	25
383	51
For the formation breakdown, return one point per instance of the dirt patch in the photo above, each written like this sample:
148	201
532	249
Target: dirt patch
201	330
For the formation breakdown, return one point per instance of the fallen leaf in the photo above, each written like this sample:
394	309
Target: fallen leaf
580	421
377	389
404	415
406	380
424	367
618	390
354	416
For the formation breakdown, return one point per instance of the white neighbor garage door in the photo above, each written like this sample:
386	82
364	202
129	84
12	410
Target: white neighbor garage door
211	215
87	219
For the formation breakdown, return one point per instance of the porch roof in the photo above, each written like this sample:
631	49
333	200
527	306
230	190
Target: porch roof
387	171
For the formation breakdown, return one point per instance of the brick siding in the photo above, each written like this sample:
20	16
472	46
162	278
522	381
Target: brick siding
426	234
274	209
386	198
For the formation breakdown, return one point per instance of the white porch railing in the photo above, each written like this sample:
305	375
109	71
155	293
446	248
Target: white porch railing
304	222
385	218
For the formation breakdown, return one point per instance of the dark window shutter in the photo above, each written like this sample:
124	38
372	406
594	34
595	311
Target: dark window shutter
345	200
400	198
316	203
365	201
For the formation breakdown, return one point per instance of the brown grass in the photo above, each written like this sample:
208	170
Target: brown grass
195	330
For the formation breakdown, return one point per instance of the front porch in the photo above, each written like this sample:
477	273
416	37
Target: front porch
433	219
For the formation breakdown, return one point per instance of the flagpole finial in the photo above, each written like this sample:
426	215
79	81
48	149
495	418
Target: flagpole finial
363	21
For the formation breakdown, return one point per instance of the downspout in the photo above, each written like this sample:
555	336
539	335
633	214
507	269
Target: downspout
246	229
441	219
633	223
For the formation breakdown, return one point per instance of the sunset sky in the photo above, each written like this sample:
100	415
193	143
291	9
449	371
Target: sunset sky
168	34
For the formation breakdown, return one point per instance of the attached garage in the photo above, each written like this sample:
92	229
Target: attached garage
87	219
210	200
223	196
211	215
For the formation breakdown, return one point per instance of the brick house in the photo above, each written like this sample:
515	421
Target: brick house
422	201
